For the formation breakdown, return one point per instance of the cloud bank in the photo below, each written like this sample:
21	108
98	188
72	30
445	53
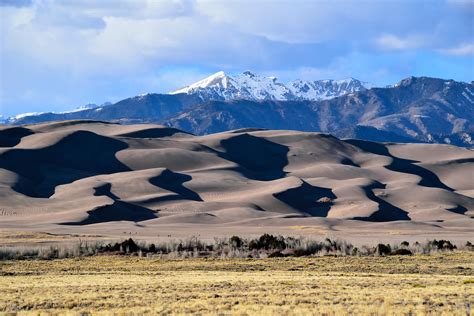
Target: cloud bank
61	54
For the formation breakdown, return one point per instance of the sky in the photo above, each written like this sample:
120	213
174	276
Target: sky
60	54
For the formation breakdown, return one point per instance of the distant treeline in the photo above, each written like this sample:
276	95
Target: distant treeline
266	246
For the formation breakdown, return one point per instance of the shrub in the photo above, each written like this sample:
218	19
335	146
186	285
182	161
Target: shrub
442	244
276	254
401	252
267	241
152	248
293	243
270	242
253	244
7	254
129	246
383	250
469	246
236	242
307	248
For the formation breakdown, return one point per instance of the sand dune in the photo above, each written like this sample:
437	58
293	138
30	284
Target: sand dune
89	176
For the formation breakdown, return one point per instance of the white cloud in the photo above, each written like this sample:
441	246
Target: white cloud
70	44
114	36
465	49
393	42
299	21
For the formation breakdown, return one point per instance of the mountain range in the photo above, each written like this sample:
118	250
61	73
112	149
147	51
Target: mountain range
248	86
417	109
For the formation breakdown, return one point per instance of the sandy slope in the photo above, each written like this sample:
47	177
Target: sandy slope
97	177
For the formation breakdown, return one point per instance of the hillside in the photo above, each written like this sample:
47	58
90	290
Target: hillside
414	110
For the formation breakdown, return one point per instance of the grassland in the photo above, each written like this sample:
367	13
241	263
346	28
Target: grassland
441	283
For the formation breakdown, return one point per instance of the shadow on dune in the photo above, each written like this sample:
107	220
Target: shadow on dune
247	130
105	190
118	211
10	137
76	156
258	158
51	125
428	178
314	201
173	181
154	133
387	212
458	210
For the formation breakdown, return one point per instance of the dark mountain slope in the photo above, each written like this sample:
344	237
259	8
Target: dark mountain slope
144	108
417	109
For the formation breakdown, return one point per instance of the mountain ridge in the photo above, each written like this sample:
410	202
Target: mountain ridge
422	109
248	86
417	109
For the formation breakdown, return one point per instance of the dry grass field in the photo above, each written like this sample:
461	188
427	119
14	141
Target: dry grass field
440	283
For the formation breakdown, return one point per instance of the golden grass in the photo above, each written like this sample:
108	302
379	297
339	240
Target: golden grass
439	284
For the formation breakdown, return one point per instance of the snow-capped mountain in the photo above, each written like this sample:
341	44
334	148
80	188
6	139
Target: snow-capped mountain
248	86
223	87
417	109
326	89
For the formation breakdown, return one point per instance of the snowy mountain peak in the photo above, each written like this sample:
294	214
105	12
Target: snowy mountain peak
250	86
213	80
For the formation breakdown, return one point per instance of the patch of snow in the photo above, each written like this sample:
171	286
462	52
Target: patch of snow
15	118
467	97
420	116
249	86
20	116
467	138
79	109
214	80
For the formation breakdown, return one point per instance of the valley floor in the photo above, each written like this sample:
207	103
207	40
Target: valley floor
441	283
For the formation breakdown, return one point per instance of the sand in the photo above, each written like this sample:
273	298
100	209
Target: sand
89	177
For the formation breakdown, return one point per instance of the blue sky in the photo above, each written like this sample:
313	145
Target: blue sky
57	55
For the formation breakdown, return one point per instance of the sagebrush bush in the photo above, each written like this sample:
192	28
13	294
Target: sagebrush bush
266	245
267	242
383	250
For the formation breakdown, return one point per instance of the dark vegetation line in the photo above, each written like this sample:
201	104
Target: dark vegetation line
266	246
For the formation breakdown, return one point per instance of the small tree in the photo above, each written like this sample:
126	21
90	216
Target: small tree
383	250
235	242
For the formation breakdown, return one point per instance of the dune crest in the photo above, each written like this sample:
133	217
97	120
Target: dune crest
87	173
